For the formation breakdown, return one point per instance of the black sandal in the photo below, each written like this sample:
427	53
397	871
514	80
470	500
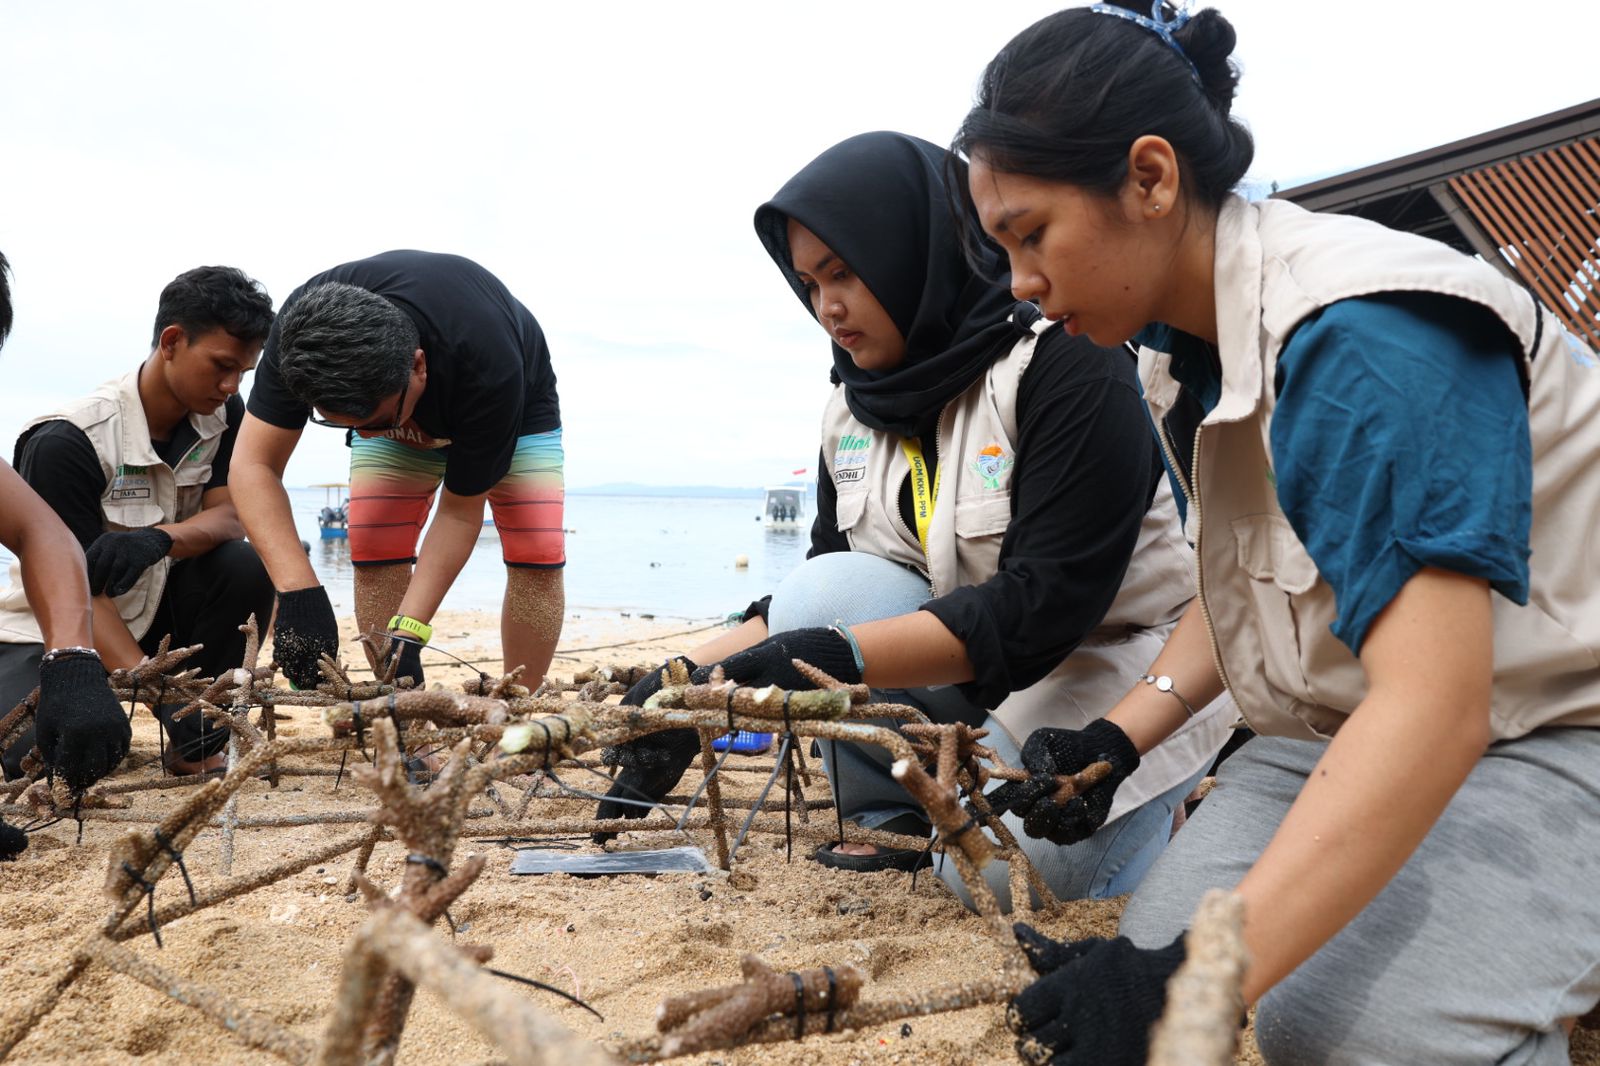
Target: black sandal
883	859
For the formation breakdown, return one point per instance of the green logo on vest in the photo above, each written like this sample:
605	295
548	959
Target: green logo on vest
131	471
195	453
850	459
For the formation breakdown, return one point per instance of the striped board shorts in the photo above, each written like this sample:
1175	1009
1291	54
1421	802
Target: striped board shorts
392	487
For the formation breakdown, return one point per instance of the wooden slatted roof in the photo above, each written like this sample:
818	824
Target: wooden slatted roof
1525	197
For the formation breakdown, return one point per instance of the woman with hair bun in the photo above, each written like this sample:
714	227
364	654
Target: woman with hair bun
1391	454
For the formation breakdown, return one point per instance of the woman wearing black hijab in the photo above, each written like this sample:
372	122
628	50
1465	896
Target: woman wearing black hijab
993	529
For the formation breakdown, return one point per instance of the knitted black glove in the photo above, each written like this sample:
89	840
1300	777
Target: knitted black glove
1048	752
410	653
13	842
116	560
651	764
82	730
769	663
305	631
1094	1002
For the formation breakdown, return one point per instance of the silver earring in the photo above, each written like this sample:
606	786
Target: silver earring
1157	207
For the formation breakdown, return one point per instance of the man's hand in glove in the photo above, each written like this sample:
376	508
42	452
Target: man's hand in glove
410	653
117	560
1094	1002
1048	752
81	729
650	764
771	661
304	632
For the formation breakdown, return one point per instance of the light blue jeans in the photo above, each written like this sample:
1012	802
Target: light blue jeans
854	587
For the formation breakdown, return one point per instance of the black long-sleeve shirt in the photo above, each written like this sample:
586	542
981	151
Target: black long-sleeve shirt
1087	467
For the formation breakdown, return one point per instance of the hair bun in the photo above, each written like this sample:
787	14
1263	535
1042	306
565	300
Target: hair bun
1208	40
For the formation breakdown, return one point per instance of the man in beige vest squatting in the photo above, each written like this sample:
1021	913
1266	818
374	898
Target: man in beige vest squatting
138	471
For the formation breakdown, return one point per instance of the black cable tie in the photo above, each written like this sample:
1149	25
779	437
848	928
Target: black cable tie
133	699
359	723
786	694
569	997
970	823
732	688
540	723
799	1005
833	996
429	861
177	857
149	898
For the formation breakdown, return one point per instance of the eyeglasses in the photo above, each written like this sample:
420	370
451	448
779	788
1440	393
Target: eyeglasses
399	413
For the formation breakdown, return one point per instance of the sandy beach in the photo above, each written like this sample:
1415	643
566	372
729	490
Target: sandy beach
621	943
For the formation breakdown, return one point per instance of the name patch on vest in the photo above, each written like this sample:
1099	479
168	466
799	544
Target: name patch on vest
131	483
991	464
850	459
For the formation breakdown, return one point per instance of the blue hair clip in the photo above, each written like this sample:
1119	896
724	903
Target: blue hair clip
1162	28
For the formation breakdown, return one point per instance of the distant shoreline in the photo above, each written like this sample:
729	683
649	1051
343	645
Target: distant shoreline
628	488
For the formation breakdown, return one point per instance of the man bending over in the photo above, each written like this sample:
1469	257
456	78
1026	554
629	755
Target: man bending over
438	375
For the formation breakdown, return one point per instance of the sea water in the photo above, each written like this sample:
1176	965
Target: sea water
671	557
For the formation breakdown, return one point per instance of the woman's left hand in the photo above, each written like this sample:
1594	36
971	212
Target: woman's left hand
771	661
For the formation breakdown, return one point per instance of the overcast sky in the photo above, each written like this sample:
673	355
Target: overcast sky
603	159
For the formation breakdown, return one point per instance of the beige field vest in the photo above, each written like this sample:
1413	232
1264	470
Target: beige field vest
1267	608
977	434
141	490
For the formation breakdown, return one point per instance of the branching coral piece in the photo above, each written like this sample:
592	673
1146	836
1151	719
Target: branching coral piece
720	1016
1200	1025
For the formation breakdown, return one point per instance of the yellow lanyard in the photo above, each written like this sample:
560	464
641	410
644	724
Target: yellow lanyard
923	497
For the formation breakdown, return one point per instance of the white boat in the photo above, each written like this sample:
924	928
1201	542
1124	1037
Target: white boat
785	505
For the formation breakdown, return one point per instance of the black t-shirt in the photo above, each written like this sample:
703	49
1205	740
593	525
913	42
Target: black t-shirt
1087	467
489	374
57	460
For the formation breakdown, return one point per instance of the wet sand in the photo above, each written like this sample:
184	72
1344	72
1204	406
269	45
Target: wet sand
624	942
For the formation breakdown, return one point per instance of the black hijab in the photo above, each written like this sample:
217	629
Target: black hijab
878	201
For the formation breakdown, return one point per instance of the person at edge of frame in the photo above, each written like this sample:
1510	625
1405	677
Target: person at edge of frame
1398	466
82	732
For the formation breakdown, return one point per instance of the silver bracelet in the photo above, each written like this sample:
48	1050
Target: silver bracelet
76	651
1164	684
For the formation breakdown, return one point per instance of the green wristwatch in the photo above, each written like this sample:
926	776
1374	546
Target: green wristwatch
421	630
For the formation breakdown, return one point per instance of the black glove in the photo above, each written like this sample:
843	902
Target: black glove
117	559
651	764
304	632
1048	752
82	730
769	663
1094	1002
410	653
13	842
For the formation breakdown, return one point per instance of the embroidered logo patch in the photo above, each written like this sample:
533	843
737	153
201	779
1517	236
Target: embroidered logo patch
990	464
131	483
850	458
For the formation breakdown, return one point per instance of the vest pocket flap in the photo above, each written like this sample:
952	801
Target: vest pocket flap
1269	551
133	514
983	516
849	508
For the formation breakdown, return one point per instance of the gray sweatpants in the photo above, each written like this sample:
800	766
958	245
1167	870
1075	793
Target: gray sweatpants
1485	939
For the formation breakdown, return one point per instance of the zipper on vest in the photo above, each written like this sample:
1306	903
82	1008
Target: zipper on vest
1191	489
